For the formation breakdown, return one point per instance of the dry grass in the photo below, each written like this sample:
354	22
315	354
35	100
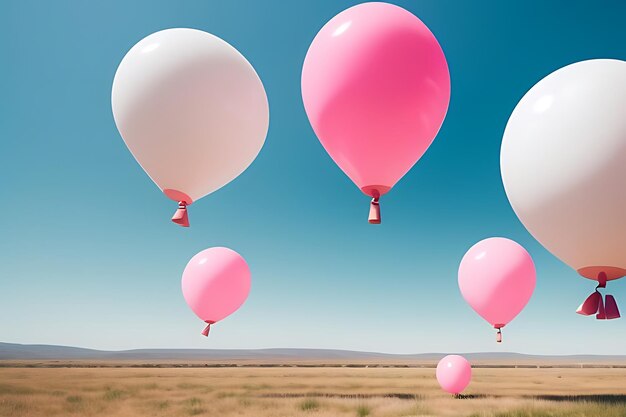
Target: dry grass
307	392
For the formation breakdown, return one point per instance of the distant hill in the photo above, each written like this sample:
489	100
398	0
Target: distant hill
19	352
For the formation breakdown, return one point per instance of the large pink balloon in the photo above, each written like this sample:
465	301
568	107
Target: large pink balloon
215	284
376	88
497	278
454	373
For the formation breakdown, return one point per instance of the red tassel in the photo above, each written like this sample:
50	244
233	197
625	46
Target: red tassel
606	310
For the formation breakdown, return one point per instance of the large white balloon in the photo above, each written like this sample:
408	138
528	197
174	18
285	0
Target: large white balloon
192	111
563	164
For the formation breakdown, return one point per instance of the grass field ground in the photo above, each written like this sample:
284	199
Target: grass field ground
307	392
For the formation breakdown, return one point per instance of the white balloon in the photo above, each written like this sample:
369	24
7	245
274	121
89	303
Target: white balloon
191	109
563	162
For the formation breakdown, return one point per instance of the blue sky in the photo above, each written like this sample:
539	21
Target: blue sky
90	258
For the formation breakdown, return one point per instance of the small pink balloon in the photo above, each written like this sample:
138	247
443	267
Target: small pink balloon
497	278
454	373
376	88
215	283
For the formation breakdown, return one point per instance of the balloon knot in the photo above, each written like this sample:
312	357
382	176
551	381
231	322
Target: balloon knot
180	217
499	334
207	329
374	217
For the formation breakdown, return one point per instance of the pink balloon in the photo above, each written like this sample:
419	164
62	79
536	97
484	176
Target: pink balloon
376	88
215	283
497	278
454	373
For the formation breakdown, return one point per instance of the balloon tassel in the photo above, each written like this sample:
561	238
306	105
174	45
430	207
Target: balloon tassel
594	304
207	329
180	217
499	335
374	217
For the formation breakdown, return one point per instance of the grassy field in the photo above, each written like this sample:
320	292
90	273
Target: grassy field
307	392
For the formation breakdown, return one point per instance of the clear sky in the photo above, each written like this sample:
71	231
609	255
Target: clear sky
90	258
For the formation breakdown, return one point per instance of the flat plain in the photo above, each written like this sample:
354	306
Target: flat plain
312	391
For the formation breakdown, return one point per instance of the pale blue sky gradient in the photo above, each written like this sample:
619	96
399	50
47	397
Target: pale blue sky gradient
90	258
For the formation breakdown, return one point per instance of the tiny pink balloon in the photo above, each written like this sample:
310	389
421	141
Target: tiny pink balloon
497	278
454	373
376	89
215	283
